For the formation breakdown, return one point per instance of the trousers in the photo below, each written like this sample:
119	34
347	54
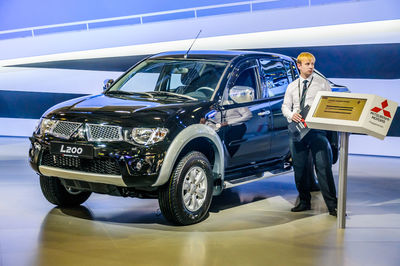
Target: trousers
317	142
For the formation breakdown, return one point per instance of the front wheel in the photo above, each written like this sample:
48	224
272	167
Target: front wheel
186	198
57	194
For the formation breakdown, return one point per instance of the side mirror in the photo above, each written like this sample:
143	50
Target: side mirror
107	84
241	94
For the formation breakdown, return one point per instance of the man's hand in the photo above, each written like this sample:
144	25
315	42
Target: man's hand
296	117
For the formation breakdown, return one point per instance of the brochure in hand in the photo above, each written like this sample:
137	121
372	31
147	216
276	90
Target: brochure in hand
299	130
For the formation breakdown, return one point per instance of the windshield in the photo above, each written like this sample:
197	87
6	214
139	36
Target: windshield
187	79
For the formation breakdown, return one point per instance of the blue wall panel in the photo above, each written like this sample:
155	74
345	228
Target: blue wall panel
47	12
60	29
319	2
366	61
162	17
10	35
22	104
123	22
223	10
280	4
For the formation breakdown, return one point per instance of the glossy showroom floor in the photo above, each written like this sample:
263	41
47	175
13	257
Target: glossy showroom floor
248	225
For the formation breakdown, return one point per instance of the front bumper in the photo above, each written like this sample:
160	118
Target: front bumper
115	163
82	176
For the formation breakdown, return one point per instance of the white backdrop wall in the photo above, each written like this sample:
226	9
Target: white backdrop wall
329	25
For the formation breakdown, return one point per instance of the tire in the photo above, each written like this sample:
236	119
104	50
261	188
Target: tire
181	200
57	194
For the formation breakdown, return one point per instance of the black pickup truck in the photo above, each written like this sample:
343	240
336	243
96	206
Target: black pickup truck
178	127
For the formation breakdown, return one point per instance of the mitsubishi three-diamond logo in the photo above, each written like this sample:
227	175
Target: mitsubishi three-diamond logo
380	116
384	104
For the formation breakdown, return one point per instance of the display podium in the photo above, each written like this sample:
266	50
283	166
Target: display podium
350	113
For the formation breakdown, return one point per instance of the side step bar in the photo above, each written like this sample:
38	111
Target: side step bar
252	178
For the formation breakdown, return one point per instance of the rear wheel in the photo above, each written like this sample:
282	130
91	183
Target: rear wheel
57	194
186	198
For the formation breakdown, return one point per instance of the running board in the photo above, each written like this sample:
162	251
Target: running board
252	178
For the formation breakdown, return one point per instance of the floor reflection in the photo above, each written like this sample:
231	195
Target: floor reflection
234	209
247	225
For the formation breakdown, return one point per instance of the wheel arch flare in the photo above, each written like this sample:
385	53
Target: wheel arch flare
194	134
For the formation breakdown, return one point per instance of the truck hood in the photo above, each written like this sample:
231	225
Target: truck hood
123	110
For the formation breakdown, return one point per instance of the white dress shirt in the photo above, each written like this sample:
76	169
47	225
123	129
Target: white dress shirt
291	102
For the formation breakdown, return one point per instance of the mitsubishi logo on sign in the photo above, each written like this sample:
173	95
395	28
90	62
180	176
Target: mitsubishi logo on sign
384	104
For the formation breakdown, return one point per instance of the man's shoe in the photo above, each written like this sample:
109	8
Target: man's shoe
301	207
334	212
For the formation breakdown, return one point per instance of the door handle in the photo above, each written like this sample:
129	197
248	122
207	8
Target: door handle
264	113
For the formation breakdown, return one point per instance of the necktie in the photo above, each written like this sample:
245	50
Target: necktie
303	95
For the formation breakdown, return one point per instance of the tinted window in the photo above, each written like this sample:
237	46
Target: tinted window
244	75
290	70
247	78
295	71
274	76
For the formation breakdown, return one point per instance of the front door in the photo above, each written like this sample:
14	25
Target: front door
247	123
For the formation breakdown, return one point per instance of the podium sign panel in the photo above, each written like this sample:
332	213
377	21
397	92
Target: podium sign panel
352	112
340	108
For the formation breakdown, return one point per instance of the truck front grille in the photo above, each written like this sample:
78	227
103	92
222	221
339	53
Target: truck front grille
104	133
95	132
64	129
106	166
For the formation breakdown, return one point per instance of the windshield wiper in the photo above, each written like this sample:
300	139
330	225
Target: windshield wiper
130	93
175	94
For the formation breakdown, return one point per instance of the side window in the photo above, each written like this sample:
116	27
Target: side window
295	72
290	70
244	75
274	77
247	78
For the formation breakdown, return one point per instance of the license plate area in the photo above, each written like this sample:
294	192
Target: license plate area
72	150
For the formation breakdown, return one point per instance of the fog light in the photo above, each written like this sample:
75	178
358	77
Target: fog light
139	165
37	146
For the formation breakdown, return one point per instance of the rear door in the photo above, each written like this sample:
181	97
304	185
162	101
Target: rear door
276	74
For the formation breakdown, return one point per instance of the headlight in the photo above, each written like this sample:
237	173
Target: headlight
147	136
46	125
37	127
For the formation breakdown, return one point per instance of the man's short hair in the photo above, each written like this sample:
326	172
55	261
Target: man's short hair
305	56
